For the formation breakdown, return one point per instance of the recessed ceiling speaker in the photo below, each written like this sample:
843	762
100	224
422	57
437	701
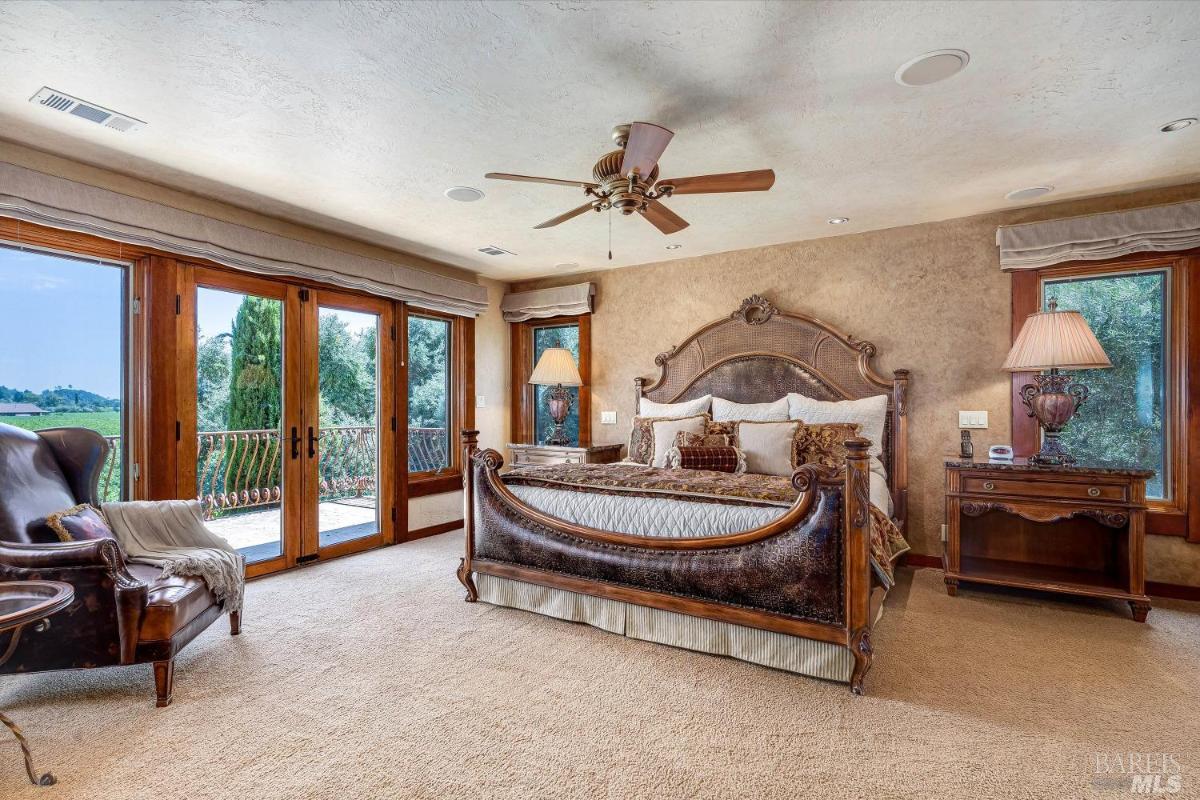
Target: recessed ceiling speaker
932	67
464	194
1029	192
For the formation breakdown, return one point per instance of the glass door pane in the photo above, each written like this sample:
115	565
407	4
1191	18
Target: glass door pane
240	445
348	442
566	337
428	394
62	321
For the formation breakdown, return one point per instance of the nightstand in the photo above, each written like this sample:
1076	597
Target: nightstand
525	454
1074	530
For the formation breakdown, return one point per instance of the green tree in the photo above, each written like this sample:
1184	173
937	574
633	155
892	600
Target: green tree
213	369
428	362
346	373
256	372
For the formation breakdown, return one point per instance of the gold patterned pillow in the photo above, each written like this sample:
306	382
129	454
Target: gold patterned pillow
706	439
727	429
824	443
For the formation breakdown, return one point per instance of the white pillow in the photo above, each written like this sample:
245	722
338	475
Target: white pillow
649	408
728	411
869	412
664	436
768	446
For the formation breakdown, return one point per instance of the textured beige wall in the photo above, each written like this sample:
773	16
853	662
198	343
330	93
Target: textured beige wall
931	297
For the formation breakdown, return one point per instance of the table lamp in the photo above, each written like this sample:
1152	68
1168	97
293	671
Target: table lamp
557	368
1054	340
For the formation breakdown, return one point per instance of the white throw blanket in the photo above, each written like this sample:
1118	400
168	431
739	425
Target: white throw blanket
171	535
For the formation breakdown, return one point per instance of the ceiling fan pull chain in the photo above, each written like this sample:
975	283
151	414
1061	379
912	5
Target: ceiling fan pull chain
610	233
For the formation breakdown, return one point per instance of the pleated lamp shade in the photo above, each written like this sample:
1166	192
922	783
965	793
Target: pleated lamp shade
556	366
1055	340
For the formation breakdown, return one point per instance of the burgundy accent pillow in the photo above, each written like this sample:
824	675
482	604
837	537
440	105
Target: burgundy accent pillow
715	459
79	524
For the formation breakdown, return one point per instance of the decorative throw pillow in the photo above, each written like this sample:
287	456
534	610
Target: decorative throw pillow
728	411
686	439
79	524
715	459
727	429
665	431
642	447
869	412
824	444
769	447
688	408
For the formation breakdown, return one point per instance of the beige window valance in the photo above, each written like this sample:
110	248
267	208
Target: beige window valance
1096	237
541	303
36	197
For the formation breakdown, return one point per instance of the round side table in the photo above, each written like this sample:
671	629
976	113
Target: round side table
22	604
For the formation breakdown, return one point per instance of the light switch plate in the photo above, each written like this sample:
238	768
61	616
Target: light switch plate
480	401
972	419
608	418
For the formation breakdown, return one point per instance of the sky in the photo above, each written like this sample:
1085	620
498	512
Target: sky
60	323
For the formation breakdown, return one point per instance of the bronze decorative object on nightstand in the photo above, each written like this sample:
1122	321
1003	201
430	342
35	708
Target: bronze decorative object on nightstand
1054	340
1068	529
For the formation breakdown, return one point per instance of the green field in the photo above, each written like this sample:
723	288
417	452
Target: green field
107	423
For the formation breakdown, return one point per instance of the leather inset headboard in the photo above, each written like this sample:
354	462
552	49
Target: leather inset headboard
758	354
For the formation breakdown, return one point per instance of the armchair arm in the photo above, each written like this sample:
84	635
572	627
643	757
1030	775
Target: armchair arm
96	568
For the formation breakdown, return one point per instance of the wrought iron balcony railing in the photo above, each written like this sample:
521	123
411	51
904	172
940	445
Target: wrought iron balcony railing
242	469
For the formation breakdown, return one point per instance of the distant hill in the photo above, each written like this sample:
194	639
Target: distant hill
60	399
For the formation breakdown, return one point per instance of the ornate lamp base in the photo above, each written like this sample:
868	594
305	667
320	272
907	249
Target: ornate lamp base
1053	400
560	406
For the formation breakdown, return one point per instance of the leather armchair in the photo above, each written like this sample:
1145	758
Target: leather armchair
123	613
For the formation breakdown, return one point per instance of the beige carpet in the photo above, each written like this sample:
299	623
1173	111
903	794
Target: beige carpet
368	677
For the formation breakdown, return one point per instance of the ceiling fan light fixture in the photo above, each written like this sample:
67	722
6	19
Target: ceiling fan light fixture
932	67
1178	125
464	194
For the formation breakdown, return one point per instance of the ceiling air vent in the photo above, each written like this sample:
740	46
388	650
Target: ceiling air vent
492	250
58	101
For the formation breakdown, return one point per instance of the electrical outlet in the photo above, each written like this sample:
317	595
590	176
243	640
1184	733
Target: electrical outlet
972	419
608	418
480	401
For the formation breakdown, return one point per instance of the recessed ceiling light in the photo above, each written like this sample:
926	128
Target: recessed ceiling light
674	246
568	265
1029	192
464	194
1178	125
932	67
838	220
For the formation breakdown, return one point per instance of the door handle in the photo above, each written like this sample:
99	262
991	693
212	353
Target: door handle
295	442
312	443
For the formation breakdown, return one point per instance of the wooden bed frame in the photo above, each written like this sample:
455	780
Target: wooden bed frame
757	354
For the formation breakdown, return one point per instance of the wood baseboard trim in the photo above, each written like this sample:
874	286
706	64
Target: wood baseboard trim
432	530
1173	591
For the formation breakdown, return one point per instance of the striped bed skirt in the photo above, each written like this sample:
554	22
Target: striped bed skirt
778	650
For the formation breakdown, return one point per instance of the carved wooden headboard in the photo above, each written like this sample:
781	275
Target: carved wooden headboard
758	354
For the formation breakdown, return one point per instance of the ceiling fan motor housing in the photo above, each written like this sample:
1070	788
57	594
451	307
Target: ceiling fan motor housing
621	194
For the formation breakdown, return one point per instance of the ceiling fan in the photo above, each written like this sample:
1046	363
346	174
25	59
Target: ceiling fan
627	180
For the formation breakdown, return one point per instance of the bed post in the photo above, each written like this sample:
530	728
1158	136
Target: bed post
470	444
899	464
857	502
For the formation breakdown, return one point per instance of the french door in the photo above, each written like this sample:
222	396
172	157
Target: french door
289	435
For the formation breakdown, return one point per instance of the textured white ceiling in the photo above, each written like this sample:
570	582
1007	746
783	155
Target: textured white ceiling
355	116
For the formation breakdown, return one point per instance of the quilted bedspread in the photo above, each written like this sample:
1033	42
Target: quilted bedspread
648	501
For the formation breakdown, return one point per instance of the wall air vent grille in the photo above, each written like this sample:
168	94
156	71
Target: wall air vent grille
58	101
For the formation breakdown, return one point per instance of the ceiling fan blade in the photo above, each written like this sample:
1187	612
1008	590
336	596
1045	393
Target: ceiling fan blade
645	146
757	180
663	218
575	212
504	176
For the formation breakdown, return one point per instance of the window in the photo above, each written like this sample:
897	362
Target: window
429	393
1125	420
531	422
63	322
566	337
1142	309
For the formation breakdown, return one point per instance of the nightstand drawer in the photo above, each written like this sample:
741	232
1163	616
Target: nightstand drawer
1045	489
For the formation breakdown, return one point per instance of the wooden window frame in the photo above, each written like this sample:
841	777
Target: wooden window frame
522	367
461	405
1179	516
